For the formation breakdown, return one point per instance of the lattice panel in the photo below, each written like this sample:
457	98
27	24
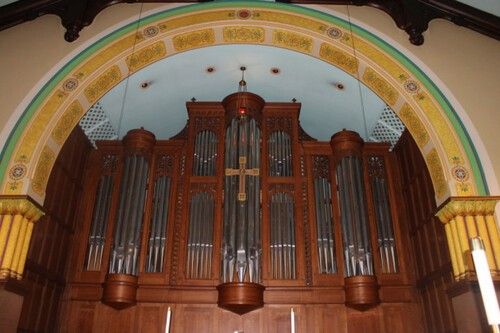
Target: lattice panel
388	128
95	123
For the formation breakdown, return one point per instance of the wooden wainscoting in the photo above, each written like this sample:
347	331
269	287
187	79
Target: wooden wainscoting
208	318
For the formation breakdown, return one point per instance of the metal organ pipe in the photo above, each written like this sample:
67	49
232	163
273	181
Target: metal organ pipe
200	236
280	154
100	215
282	236
126	245
205	153
347	147
241	247
385	232
157	239
323	206
241	243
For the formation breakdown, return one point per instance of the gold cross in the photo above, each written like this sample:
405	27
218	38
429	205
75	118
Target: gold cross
242	172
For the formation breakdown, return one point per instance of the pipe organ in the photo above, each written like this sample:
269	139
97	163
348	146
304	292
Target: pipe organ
240	204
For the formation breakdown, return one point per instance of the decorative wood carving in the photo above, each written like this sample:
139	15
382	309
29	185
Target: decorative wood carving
279	124
178	229
307	235
303	136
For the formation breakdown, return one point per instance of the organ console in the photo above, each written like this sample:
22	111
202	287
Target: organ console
244	202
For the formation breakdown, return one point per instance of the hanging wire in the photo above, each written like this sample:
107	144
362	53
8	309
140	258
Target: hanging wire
365	126
127	79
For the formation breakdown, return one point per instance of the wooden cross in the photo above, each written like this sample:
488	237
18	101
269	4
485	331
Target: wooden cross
242	172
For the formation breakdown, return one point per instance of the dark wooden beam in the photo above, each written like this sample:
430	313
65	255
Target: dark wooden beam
412	16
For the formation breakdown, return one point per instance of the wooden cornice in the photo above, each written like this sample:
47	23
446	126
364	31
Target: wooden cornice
412	16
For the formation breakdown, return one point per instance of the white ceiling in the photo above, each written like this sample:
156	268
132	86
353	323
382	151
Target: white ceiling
160	108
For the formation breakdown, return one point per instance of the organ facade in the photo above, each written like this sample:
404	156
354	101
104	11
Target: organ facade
242	209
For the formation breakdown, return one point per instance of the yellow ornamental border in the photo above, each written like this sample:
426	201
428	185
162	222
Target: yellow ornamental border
333	44
243	34
146	56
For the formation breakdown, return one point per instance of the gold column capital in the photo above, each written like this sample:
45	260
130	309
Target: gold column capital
466	206
20	205
17	217
463	219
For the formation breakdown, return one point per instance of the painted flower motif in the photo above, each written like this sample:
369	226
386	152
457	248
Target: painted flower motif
70	84
151	31
460	173
411	86
334	33
244	14
17	171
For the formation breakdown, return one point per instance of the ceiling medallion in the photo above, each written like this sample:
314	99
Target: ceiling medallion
334	33
145	84
460	173
411	86
151	31
70	84
275	70
339	85
244	14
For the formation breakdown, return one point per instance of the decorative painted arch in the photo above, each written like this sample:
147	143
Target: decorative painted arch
33	145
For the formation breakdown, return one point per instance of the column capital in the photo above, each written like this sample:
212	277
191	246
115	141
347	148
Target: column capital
466	206
21	205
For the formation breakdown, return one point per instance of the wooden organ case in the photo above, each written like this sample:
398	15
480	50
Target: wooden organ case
242	208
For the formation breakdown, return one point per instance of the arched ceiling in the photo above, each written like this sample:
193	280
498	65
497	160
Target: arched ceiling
160	107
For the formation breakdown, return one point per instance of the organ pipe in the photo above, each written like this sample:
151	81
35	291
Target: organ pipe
385	232
126	243
280	154
200	236
157	235
351	192
99	224
324	221
283	263
241	245
205	153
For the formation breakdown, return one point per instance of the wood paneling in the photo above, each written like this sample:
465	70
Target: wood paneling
47	260
428	241
208	318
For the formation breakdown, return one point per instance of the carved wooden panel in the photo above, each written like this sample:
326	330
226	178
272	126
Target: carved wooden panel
52	239
428	241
